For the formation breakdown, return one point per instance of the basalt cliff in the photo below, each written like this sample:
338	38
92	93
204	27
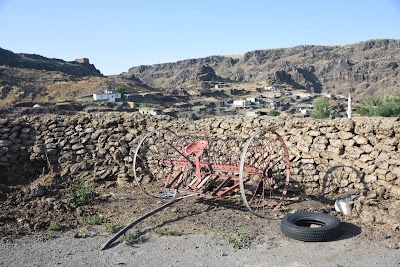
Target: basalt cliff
362	68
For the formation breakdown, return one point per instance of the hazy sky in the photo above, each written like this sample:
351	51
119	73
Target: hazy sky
117	35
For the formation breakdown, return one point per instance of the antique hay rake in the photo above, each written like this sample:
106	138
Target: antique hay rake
166	164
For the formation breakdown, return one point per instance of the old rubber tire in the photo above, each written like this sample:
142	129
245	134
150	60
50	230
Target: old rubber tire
297	226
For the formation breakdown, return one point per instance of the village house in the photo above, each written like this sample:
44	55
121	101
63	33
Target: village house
269	103
302	94
304	109
221	85
241	103
109	95
252	99
149	111
271	88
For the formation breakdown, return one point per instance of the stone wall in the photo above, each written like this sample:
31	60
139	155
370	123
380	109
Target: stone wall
327	156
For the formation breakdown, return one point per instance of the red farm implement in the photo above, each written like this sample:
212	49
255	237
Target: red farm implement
166	164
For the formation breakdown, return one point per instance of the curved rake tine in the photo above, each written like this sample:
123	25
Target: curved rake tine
150	213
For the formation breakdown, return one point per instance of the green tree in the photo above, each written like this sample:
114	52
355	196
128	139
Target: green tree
120	89
321	108
375	105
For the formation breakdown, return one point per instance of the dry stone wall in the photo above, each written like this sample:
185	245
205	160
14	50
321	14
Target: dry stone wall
327	156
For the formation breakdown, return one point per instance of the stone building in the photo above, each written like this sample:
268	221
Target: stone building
82	60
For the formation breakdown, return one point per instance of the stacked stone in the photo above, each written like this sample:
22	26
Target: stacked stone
16	136
327	156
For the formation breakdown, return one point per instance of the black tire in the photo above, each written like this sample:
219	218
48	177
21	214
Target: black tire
297	226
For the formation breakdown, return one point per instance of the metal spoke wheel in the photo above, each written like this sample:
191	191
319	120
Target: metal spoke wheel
264	172
160	164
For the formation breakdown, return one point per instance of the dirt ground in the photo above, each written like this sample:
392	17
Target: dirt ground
218	228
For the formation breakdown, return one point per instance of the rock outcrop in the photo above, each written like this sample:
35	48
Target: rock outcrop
32	61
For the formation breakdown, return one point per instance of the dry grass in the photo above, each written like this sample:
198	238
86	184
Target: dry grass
29	85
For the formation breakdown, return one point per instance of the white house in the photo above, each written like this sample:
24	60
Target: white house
252	99
241	103
306	111
270	88
108	95
302	94
252	113
150	111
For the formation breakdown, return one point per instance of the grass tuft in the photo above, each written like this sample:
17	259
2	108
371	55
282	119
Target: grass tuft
164	231
95	219
55	226
133	238
110	228
82	233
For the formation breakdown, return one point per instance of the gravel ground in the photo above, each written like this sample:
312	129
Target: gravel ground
350	249
207	226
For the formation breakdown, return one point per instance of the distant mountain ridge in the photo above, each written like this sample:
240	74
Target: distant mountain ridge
362	68
32	61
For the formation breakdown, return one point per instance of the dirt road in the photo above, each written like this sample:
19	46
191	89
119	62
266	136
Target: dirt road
351	249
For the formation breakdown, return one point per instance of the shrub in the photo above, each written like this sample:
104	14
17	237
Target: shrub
94	219
273	113
82	191
120	89
55	226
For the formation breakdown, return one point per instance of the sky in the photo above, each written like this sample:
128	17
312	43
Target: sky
117	35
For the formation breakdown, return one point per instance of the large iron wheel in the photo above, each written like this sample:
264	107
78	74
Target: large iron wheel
264	172
155	166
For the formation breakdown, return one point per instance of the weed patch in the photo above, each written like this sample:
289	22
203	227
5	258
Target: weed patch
164	231
82	191
82	233
133	238
110	228
94	219
55	226
238	238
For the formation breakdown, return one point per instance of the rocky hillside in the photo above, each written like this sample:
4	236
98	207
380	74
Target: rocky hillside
32	61
363	68
33	78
